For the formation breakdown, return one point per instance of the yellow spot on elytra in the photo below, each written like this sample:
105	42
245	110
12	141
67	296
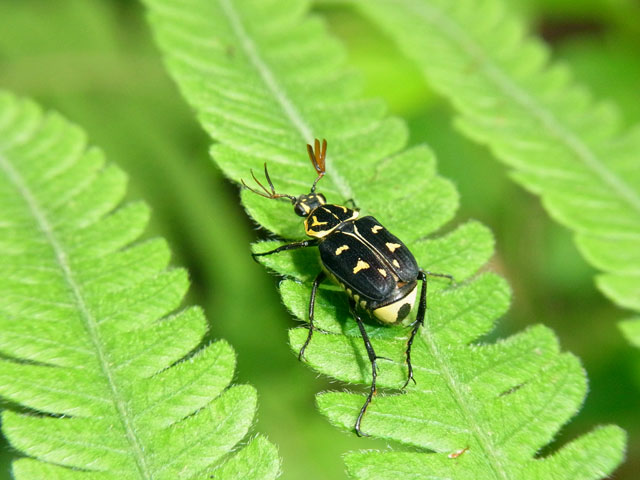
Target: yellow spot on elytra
376	228
393	246
316	223
361	265
383	272
395	262
341	249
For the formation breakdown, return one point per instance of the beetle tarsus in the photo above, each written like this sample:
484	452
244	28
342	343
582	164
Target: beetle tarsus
312	305
374	368
419	321
288	246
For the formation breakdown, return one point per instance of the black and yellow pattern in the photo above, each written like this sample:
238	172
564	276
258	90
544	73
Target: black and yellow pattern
373	266
323	220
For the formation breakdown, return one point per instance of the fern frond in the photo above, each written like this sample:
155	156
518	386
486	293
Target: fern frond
560	143
631	330
93	343
265	78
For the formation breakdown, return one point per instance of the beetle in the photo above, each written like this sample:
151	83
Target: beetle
377	271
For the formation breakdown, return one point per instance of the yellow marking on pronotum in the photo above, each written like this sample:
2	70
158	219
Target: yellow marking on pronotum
341	249
383	272
361	265
376	228
393	246
316	223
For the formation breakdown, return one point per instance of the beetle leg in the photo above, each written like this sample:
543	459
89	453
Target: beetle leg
290	246
422	309
352	203
442	275
374	368
312	306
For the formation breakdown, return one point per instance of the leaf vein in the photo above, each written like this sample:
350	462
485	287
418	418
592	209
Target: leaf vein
90	322
287	105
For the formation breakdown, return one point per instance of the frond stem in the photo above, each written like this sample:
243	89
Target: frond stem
438	20
483	440
269	79
89	320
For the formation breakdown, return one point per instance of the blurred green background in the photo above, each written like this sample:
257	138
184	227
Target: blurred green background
94	61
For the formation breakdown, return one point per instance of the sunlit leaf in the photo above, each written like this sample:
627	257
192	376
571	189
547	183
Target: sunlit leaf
107	368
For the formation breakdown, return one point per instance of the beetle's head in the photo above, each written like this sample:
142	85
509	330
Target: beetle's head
305	204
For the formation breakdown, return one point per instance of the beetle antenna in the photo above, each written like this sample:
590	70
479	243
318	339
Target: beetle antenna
267	193
318	156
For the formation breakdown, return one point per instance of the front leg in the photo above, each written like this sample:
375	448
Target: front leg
290	246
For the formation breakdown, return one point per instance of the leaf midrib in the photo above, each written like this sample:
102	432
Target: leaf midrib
439	20
89	320
482	440
279	94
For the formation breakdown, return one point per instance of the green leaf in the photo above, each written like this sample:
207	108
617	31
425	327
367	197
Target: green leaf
631	330
580	460
265	78
107	368
560	143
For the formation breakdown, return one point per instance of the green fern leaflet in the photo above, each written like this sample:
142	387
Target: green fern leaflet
265	78
560	144
106	370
